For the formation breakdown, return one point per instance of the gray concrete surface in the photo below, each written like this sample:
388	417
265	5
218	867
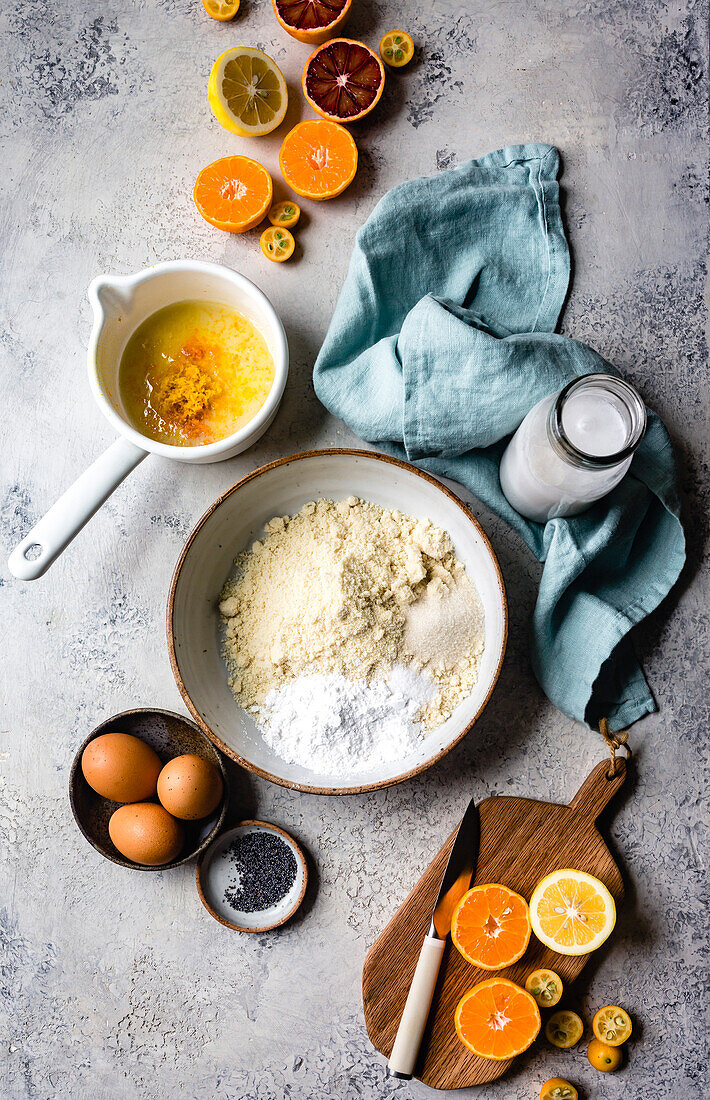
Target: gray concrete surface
116	984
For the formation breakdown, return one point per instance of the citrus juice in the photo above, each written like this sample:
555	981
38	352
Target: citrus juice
194	373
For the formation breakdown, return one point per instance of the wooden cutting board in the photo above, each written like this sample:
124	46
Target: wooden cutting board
521	841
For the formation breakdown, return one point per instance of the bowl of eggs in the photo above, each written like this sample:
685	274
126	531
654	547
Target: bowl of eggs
148	790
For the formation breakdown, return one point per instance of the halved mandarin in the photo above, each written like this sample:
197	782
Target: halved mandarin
343	80
318	159
497	1019
277	244
396	49
221	10
572	912
285	214
233	193
311	21
491	926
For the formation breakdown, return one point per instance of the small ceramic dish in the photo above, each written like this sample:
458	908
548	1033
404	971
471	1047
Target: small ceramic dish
234	521
170	735
215	873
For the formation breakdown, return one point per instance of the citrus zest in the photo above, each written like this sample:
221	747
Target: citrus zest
490	926
285	214
545	986
564	1029
277	244
233	193
247	92
396	49
221	10
612	1025
572	912
558	1089
497	1019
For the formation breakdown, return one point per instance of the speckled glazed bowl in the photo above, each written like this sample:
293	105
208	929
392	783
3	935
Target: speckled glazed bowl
170	735
235	520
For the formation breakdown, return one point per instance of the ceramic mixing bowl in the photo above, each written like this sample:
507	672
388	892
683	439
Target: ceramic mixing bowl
235	520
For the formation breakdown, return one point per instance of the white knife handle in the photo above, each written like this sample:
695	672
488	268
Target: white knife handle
416	1011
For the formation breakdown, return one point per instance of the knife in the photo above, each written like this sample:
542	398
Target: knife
456	880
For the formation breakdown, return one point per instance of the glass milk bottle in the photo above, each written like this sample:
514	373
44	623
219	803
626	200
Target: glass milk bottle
573	447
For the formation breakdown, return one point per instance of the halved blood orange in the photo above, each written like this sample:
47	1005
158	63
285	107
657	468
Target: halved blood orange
233	193
490	926
311	20
318	159
343	80
497	1019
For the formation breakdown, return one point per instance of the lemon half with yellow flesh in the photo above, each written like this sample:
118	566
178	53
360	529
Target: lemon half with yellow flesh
247	92
572	912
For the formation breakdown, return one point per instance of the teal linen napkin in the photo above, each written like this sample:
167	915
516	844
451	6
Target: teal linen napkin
441	341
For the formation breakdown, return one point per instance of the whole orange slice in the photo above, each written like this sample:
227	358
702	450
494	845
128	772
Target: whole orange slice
233	193
491	926
311	21
497	1019
318	159
343	80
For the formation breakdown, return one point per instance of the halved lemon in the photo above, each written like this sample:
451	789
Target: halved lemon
247	92
572	912
396	49
221	10
277	244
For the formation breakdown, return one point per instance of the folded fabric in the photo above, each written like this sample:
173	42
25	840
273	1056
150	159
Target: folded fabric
441	341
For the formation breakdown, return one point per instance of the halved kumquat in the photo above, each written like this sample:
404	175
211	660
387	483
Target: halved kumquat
277	244
564	1029
558	1089
497	1019
490	926
612	1025
285	214
396	49
545	986
221	10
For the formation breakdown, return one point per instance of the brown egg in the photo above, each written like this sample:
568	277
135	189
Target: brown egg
121	767
190	787
146	833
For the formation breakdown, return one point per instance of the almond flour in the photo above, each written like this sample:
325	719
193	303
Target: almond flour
351	589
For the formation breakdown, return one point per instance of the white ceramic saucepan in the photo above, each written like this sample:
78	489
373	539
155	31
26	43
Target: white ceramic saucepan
120	305
234	521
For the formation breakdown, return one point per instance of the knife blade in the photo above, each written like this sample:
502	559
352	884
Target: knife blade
459	872
455	881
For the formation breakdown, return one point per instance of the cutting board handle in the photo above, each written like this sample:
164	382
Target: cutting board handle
598	789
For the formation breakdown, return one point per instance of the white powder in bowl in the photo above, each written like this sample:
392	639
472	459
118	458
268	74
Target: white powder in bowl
335	726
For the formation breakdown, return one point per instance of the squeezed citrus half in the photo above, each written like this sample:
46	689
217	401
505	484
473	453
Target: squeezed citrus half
318	159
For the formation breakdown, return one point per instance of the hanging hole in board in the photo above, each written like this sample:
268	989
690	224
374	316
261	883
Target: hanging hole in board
33	551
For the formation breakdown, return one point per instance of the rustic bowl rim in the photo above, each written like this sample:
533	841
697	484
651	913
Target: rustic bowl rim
298	851
75	771
221	745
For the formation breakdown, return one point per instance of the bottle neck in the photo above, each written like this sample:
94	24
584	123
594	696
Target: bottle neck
612	397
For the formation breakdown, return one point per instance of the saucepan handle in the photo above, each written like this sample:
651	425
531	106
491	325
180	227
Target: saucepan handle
416	1010
48	538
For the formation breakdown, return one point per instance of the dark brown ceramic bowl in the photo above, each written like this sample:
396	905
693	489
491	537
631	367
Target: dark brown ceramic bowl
170	735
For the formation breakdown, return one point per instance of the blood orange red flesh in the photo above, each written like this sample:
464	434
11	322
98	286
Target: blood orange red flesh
343	80
311	21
